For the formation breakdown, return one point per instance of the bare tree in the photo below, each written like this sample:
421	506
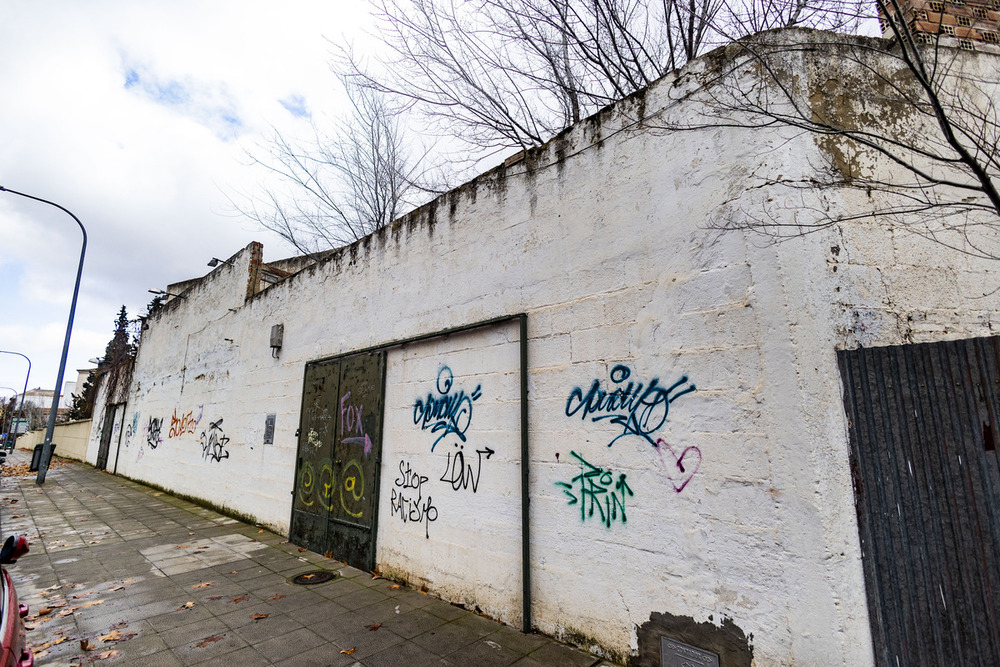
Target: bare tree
343	184
911	123
512	73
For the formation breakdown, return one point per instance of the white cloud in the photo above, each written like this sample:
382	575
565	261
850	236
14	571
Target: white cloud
134	117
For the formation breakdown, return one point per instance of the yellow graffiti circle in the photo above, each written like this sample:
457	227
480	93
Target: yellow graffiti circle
326	485
306	484
355	484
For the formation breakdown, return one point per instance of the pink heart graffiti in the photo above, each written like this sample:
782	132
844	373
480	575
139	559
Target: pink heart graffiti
680	469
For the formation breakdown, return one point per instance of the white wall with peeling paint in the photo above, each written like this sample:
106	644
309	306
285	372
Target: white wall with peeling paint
732	499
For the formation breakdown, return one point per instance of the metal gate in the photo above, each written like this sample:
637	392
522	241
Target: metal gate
339	452
107	429
923	425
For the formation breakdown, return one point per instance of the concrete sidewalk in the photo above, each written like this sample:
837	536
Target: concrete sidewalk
121	574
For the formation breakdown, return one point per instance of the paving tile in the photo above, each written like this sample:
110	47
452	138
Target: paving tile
406	655
264	629
290	644
367	642
558	655
325	655
446	638
485	653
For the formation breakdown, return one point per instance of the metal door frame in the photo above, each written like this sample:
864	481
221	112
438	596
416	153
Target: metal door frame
522	319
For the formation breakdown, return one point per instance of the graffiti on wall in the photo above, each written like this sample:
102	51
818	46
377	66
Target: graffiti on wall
321	487
638	409
446	412
153	432
213	442
598	493
352	425
680	468
131	429
185	423
408	501
462	475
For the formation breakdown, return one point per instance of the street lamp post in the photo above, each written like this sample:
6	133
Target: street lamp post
43	464
20	410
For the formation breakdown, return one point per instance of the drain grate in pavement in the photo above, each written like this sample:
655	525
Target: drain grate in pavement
316	577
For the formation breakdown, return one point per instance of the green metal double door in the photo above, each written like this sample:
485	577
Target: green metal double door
334	510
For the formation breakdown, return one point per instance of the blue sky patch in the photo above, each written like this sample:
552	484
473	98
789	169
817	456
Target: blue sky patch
296	105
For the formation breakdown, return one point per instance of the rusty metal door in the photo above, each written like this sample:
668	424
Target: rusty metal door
339	452
923	423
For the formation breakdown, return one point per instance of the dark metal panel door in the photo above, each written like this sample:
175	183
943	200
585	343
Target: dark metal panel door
339	450
106	431
356	464
313	472
923	425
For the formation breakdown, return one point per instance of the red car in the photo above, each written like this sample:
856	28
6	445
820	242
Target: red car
15	651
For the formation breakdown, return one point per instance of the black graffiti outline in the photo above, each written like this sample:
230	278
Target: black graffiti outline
153	432
418	510
213	442
461	475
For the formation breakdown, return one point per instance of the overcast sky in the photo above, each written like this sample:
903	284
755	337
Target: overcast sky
134	116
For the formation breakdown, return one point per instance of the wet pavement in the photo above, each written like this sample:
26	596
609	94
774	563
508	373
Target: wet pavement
121	574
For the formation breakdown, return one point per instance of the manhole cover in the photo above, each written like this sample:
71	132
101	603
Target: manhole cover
317	577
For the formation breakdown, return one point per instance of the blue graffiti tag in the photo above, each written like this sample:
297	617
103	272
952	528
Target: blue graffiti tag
447	412
640	410
595	486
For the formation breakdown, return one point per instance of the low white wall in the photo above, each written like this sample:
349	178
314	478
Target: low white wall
70	439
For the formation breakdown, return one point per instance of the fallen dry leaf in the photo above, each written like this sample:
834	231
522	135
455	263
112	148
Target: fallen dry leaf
89	604
17	516
276	597
349	651
46	645
259	617
242	598
204	585
104	655
44	611
116	636
208	640
302	549
215	597
181	546
186	605
394	587
374	626
118	588
328	554
259	531
86	645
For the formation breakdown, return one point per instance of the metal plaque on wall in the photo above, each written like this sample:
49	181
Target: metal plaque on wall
269	430
678	654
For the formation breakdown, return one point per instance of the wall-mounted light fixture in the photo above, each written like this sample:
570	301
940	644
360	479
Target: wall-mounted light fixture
162	293
277	334
215	261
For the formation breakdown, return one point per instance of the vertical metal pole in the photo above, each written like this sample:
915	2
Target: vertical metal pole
43	465
526	625
20	410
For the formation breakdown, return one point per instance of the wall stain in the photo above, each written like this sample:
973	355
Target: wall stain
731	644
